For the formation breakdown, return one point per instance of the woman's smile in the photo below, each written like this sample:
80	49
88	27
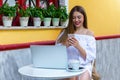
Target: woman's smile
77	23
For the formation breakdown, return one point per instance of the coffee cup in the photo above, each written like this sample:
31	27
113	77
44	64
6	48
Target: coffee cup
73	64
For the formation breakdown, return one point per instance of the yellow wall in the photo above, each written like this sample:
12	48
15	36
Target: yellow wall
103	19
23	36
103	15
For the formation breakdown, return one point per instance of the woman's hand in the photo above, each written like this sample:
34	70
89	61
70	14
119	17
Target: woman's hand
73	42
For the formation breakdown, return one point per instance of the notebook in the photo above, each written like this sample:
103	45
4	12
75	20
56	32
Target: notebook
49	56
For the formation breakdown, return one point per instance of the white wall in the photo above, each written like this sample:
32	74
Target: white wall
10	2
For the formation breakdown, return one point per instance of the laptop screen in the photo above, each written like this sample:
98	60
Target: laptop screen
49	56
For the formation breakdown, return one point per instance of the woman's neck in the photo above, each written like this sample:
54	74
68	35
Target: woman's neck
80	30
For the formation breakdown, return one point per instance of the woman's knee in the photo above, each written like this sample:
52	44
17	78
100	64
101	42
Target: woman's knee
73	78
84	76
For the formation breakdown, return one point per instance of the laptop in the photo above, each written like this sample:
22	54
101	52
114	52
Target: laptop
49	56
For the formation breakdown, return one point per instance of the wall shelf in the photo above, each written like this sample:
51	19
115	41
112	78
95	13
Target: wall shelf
30	27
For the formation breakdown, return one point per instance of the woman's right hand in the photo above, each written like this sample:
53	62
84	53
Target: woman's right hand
69	41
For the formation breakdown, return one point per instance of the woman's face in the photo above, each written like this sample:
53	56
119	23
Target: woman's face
78	19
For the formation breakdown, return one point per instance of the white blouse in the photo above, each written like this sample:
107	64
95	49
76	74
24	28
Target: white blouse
88	43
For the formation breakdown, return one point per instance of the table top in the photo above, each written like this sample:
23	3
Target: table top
31	71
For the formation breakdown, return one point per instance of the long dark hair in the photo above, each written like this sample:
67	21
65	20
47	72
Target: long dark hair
71	28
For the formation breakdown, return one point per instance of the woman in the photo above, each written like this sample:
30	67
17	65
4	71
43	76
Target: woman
82	44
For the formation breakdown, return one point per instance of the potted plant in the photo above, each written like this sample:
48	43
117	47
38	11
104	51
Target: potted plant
24	16
8	13
56	14
64	16
48	13
37	15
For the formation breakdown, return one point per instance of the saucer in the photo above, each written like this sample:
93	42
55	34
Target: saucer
72	70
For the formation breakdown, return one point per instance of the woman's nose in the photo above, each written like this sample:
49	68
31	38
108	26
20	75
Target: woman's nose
76	19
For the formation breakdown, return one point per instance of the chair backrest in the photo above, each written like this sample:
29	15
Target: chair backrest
95	74
93	63
92	67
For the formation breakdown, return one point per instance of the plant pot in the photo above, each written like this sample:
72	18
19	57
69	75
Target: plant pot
24	21
64	23
37	21
55	21
47	21
7	21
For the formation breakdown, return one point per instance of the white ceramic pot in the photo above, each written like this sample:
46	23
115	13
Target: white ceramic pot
64	23
24	21
7	21
37	21
47	22
55	21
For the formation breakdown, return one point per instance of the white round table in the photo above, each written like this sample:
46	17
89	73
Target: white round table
43	73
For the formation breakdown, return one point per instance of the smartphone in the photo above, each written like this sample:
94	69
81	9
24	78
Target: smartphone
70	35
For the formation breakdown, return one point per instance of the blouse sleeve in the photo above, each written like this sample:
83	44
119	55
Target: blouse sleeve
90	49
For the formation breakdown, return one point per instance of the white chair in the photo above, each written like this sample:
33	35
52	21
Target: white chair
92	65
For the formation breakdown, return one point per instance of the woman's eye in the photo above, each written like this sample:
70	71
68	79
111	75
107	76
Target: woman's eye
73	18
79	17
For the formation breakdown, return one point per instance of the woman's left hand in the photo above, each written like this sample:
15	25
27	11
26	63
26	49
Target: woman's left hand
73	42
